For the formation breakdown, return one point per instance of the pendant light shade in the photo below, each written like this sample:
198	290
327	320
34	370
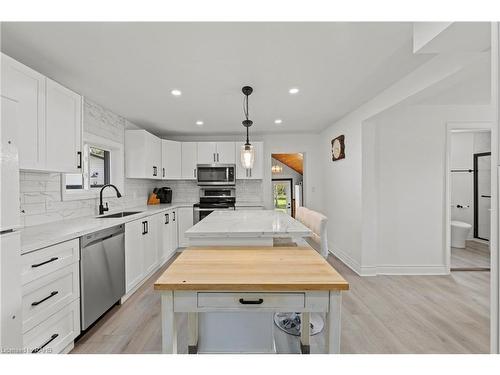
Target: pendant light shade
247	156
247	152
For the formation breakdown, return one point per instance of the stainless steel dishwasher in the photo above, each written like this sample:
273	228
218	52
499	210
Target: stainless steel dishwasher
102	272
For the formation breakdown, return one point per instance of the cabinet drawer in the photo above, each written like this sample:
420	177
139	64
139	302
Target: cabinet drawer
56	332
45	296
49	259
251	300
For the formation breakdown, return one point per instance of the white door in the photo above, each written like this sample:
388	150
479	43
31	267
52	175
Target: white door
171	159
207	152
282	195
184	222
134	259
189	160
63	129
225	153
27	87
150	245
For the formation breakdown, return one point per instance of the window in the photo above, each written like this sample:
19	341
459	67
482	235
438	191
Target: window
102	163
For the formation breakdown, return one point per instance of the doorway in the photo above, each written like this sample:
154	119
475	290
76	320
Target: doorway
469	199
283	195
287	171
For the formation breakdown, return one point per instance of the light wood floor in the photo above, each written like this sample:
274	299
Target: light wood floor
382	314
474	255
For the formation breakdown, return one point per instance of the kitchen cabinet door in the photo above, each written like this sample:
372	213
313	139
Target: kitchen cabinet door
143	155
63	129
150	245
185	221
225	153
189	160
207	153
171	159
174	236
166	247
134	258
27	87
154	155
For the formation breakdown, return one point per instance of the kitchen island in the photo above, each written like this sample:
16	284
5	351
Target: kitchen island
241	284
244	324
245	228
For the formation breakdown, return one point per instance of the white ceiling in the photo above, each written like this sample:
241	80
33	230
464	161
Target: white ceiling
131	68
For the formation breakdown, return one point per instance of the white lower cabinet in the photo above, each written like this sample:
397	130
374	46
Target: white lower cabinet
185	221
55	333
165	224
141	253
174	235
51	297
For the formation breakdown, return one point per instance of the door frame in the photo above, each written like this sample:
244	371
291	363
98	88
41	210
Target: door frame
476	193
291	191
476	126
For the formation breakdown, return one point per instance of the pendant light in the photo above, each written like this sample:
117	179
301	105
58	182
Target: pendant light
247	150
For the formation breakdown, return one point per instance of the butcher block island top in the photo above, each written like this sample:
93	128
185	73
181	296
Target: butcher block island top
248	223
250	268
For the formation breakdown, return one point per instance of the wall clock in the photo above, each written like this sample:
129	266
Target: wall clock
338	148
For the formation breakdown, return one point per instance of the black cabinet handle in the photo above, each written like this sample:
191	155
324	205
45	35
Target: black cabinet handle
155	171
47	261
79	166
251	302
166	219
144	227
173	218
45	299
52	338
163	172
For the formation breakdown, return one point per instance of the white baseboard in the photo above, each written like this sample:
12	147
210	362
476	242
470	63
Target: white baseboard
412	270
387	269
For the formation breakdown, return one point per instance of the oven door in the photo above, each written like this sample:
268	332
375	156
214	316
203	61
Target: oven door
216	174
201	213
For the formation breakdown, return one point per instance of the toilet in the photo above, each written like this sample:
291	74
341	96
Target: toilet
459	233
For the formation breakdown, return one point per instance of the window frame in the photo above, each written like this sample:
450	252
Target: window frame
116	170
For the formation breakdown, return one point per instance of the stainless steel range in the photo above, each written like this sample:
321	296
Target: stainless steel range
214	199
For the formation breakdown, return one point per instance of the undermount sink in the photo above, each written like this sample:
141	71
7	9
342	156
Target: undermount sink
120	214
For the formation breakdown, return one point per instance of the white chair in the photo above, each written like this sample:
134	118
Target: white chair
290	322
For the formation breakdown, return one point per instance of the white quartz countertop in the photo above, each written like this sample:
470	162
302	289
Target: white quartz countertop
40	236
248	223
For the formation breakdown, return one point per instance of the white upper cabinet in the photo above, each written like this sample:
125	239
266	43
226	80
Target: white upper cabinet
255	173
225	153
27	87
49	118
216	152
63	128
171	159
189	160
207	152
143	155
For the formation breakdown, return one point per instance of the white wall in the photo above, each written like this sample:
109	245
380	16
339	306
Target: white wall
409	181
344	199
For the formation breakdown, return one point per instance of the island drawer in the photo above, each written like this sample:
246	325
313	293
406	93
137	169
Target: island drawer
49	259
251	300
45	296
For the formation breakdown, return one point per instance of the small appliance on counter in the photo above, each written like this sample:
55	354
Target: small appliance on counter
164	194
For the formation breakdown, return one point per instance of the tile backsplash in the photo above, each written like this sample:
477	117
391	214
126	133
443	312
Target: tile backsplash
40	192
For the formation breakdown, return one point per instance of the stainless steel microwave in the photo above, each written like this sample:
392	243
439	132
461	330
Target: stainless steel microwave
216	174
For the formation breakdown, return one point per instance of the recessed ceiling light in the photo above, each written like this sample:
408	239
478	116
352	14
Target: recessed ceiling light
176	92
199	123
278	121
293	90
